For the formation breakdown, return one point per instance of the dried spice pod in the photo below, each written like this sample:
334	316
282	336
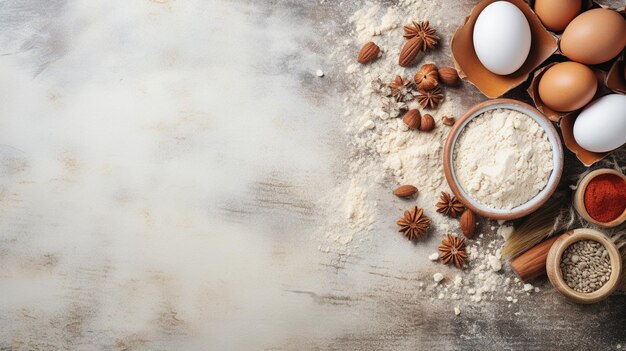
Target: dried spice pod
449	205
430	99
424	31
426	77
401	88
409	51
468	223
405	191
452	249
414	224
369	52
447	120
427	124
449	76
412	119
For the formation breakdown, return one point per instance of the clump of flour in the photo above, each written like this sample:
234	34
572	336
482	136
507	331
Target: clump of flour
503	158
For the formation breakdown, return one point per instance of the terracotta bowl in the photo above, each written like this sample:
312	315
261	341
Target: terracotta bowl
556	276
579	198
539	199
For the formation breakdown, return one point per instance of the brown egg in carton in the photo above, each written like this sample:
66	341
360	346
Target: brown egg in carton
586	5
613	81
492	85
555	116
566	119
616	76
545	43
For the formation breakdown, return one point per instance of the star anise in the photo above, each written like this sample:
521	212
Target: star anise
452	249
449	205
414	224
401	88
422	30
430	99
393	107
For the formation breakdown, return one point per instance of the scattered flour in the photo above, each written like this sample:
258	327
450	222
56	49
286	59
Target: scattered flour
386	154
505	231
357	213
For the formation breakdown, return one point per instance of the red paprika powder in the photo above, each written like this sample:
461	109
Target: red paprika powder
605	197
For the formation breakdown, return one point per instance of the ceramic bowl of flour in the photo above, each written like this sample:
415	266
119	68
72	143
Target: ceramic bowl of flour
503	159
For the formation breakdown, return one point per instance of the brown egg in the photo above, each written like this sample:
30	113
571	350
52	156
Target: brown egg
567	86
595	36
557	14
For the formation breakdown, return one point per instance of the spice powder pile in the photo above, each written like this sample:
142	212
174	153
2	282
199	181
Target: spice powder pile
605	197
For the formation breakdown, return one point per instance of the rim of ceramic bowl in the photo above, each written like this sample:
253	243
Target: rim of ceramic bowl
539	199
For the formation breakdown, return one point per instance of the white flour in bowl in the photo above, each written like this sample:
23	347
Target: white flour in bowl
503	158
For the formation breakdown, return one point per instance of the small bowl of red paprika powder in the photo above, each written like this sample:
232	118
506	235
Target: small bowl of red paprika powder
601	198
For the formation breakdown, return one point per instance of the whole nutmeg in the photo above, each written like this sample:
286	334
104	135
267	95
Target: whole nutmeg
447	120
369	52
412	119
449	76
428	123
468	223
426	77
405	191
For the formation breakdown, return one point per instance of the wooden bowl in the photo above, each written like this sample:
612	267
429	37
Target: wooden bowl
535	202
579	198
553	267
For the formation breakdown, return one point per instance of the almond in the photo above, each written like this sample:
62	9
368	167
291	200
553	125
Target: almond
449	76
369	52
427	124
468	223
447	120
405	191
409	51
412	119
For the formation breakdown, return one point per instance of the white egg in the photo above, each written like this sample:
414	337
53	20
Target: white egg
502	37
601	126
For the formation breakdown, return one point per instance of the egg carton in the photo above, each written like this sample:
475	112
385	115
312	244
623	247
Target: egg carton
543	54
492	85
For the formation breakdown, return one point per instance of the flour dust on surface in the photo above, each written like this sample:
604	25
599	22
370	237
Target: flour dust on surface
386	154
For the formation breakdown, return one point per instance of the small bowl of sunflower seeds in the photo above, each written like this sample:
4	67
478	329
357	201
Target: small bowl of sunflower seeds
584	265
